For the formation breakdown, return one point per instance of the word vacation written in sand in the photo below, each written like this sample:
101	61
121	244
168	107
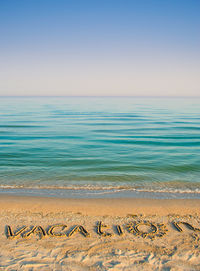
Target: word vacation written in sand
144	229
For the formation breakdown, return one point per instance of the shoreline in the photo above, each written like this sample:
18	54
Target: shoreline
100	193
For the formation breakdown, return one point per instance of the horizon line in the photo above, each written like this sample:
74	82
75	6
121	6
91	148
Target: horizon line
94	96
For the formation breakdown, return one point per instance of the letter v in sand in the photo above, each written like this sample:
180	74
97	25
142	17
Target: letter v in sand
11	234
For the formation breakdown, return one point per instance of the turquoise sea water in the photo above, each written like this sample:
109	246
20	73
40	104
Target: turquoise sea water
89	146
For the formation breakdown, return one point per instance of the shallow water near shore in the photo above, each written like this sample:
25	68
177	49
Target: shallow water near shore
100	147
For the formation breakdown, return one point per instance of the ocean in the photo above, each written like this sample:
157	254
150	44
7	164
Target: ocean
100	147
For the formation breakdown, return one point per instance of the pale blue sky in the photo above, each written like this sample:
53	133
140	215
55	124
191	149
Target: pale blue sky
102	47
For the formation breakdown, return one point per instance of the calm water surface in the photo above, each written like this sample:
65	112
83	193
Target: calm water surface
73	145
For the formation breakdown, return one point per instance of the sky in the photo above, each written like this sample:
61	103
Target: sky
100	48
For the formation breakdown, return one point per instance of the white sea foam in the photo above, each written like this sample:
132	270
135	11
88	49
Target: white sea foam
103	189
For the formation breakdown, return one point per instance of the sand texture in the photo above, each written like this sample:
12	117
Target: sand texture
54	234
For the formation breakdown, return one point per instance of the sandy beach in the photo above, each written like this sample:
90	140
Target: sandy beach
99	234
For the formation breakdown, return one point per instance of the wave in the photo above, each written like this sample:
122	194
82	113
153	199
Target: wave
111	189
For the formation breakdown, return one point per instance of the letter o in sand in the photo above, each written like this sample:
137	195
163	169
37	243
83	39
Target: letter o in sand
147	229
151	228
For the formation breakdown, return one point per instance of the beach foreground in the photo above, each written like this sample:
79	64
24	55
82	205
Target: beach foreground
71	234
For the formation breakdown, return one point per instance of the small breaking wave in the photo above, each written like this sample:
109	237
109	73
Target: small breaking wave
194	188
